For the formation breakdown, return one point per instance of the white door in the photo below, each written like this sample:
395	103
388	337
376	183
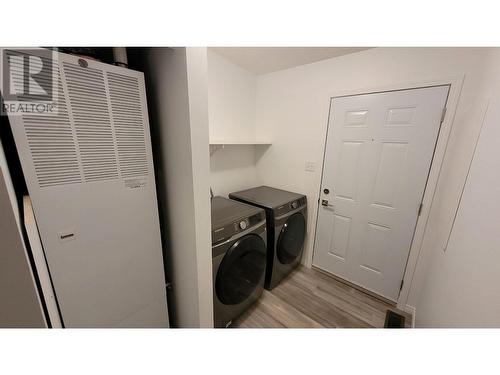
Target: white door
378	154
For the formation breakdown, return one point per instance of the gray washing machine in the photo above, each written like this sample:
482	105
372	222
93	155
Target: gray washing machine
239	247
286	215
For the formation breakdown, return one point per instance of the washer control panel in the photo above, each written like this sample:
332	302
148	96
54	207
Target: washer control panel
241	225
237	225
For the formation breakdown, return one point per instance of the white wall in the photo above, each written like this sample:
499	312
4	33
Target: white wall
177	97
231	98
292	110
233	168
462	285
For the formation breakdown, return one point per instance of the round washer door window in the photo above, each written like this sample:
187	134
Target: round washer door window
291	238
241	270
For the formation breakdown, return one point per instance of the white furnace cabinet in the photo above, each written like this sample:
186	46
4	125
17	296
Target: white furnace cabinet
89	172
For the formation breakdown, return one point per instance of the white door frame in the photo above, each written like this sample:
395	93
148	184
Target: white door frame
455	83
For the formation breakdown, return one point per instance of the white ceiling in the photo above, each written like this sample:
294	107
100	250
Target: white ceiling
261	60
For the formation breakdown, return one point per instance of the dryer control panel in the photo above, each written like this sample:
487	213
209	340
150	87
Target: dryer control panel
291	206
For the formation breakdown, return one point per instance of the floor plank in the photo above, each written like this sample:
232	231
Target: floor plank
308	298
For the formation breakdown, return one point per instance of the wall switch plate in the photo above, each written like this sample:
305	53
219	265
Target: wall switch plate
310	166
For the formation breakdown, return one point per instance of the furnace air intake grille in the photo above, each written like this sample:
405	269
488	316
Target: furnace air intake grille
129	124
90	109
51	143
97	133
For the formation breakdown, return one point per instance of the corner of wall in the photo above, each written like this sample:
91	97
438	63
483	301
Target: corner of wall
196	59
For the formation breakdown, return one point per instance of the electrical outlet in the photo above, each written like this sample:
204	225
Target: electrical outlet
310	166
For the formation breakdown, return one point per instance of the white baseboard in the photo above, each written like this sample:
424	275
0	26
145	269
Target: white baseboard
413	311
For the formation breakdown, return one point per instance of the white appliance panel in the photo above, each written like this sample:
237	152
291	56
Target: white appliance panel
89	172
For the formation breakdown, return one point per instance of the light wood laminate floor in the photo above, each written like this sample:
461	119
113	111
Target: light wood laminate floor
308	298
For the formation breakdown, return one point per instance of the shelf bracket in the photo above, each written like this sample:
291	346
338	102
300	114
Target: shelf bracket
215	148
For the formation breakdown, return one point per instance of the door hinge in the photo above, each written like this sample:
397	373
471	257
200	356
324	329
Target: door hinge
443	115
420	209
401	286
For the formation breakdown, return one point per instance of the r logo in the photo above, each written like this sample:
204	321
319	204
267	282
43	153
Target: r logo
28	75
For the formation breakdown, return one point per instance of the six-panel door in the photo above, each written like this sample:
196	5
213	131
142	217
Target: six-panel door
378	154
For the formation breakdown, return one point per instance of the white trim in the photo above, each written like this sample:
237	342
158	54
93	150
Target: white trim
35	242
455	83
413	312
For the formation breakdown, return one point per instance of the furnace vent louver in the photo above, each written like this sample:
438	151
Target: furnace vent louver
98	132
51	143
90	110
129	124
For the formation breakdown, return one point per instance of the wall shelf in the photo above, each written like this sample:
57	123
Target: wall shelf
220	144
243	143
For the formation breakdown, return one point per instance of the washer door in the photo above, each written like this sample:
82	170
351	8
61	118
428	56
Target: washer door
241	270
291	239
